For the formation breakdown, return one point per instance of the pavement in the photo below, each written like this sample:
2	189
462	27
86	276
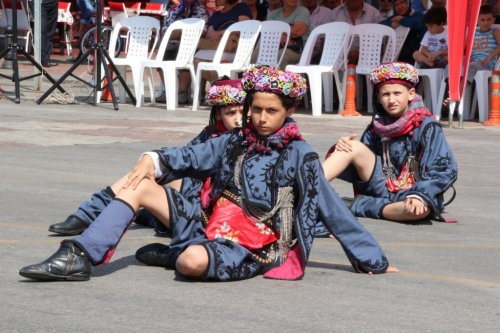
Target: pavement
52	156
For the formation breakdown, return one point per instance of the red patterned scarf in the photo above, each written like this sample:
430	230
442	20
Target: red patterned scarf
280	139
387	127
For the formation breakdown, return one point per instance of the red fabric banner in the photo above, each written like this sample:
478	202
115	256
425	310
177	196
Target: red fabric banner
462	20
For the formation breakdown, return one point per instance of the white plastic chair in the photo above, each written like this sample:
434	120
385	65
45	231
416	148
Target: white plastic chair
481	98
119	11
372	38
333	61
271	33
63	14
401	34
192	29
23	22
248	32
143	34
431	79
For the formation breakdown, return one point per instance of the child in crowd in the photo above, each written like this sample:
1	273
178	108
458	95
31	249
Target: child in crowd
226	97
406	16
258	215
403	164
434	46
486	46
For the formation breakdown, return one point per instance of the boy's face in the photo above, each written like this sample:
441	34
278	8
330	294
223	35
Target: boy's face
268	113
435	28
401	7
394	98
230	116
485	21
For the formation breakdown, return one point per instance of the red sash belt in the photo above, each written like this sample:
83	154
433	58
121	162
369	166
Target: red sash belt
229	221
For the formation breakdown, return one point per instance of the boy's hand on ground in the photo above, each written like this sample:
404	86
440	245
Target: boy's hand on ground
143	169
415	206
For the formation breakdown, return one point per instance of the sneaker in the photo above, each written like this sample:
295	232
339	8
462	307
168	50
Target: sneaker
161	99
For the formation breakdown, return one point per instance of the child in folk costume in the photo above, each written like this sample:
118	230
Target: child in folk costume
403	164
227	98
268	192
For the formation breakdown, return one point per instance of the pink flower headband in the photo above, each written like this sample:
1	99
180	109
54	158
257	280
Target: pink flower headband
226	92
274	80
394	72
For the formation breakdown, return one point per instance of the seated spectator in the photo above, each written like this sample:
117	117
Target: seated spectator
258	9
299	20
319	15
405	16
486	46
231	11
385	8
356	12
433	52
273	5
331	4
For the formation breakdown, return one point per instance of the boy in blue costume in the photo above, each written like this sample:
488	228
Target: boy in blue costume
226	97
403	164
268	192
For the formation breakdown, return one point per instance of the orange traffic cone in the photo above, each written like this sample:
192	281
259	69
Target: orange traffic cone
494	119
350	96
106	94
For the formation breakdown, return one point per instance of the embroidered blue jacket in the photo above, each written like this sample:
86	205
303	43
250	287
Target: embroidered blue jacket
437	166
296	165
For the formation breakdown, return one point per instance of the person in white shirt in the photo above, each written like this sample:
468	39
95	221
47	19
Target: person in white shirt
433	52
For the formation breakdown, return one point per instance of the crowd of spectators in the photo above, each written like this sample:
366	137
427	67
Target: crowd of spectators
304	15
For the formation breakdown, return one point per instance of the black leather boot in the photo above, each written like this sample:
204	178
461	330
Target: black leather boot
156	254
69	263
72	226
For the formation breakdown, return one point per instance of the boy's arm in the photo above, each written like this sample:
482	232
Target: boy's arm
437	167
197	161
319	203
496	52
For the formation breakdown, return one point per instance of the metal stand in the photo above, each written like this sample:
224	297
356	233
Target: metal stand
101	58
14	48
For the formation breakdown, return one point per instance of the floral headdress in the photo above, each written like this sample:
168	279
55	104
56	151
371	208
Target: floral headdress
274	80
394	72
226	92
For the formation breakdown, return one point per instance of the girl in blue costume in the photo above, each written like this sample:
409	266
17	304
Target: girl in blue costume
226	97
268	192
403	164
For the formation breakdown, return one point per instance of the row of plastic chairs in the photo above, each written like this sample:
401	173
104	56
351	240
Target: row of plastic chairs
337	38
143	36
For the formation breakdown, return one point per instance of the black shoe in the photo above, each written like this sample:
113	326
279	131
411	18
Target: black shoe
156	255
72	226
69	263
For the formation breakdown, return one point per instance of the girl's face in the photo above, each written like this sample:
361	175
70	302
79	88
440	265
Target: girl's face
401	7
268	113
395	98
230	116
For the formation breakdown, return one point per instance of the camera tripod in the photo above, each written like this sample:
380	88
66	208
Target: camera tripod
101	61
15	48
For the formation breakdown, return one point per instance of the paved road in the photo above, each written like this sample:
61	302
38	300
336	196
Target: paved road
54	156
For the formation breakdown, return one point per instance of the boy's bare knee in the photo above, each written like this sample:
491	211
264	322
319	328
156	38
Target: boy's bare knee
193	261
